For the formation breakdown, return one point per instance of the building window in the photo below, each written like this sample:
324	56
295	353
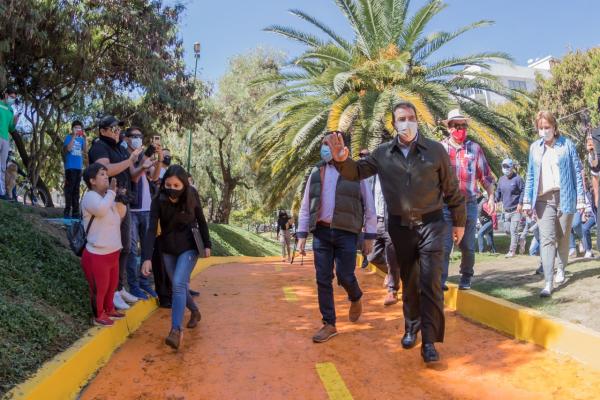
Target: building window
519	85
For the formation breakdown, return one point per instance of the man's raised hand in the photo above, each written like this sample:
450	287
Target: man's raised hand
339	151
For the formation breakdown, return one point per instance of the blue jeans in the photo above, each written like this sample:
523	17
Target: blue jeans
467	244
587	233
139	227
486	231
334	246
576	230
179	268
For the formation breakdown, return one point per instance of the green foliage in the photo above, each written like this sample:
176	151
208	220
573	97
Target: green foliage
229	240
592	86
351	85
44	304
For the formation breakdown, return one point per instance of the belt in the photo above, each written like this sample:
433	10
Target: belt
324	224
413	220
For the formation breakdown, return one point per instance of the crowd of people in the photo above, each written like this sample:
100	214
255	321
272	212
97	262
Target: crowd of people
413	200
132	191
406	205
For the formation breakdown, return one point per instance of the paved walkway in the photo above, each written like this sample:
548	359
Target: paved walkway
254	342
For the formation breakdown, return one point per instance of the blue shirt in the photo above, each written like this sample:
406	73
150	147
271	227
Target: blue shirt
74	158
510	191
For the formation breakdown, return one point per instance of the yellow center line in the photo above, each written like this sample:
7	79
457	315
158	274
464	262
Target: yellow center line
289	294
333	382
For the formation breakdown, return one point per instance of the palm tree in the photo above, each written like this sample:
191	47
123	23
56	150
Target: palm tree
337	84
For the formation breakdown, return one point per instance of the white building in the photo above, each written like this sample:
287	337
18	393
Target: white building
512	77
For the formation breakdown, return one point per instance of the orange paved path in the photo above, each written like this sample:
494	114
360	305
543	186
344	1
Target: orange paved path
254	344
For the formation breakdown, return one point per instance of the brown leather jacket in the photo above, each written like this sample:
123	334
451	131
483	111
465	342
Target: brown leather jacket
414	185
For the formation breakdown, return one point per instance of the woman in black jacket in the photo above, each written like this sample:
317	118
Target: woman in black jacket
183	238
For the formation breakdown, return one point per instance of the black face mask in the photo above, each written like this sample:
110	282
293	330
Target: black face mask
174	193
167	160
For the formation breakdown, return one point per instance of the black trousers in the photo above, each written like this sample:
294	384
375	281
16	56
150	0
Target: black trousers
420	255
72	183
126	243
384	256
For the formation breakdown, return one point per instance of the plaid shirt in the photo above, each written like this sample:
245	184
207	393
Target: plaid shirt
471	167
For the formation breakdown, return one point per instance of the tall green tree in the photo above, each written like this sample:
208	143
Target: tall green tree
72	57
350	84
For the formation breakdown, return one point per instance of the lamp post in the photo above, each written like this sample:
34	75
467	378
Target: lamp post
197	57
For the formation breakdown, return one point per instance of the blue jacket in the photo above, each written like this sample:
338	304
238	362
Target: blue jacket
571	180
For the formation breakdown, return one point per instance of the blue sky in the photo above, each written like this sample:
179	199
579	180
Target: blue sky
524	28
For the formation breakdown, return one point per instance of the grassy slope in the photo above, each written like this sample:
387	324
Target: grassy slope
43	295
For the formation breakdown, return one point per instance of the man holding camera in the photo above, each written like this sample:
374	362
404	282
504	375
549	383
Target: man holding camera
8	121
145	172
107	150
74	147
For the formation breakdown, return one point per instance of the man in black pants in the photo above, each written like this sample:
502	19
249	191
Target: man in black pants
416	180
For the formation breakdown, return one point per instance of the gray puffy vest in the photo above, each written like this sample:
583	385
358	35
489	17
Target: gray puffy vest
348	213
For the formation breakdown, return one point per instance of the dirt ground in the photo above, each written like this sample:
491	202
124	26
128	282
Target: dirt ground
577	300
254	342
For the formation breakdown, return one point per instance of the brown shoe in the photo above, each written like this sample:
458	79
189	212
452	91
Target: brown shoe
174	338
390	299
194	319
355	310
325	333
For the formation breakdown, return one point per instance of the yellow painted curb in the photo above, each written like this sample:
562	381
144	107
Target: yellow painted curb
66	374
526	324
334	384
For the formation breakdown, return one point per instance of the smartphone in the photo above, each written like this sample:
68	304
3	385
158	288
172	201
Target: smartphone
156	139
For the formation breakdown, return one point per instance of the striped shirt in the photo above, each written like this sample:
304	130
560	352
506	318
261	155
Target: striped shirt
471	168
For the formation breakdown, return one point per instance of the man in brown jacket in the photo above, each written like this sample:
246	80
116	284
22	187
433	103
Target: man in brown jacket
416	180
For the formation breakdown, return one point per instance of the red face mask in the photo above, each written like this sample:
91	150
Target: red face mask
459	135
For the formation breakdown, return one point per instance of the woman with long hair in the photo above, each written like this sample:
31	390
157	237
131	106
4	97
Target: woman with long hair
554	190
184	237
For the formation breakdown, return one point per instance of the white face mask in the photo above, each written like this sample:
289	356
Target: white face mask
406	129
546	134
136	143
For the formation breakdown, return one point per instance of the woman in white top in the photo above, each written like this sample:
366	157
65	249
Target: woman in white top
554	190
100	259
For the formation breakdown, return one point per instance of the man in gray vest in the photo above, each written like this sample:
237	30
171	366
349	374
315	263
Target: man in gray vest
416	181
334	210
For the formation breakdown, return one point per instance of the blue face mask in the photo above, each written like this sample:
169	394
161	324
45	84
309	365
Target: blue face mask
326	153
506	171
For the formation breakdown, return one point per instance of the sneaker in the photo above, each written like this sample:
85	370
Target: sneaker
138	294
588	255
115	315
119	302
325	333
547	290
390	299
581	248
174	339
572	253
151	292
510	254
560	276
103	320
465	283
128	297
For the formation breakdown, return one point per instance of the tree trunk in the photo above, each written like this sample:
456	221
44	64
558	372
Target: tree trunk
226	203
26	161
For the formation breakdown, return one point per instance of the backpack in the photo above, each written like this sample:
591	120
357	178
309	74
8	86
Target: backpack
78	236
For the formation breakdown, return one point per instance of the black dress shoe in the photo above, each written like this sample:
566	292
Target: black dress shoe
429	353
194	293
409	340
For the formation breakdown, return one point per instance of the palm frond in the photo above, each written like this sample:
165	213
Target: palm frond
302	37
330	32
